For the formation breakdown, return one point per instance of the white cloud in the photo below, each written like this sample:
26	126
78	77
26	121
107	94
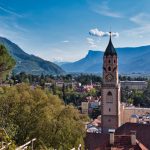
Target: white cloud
141	19
138	31
10	12
91	42
104	9
65	41
57	59
115	34
10	27
96	32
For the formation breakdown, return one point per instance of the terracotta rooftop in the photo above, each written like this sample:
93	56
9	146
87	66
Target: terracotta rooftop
100	141
142	132
96	141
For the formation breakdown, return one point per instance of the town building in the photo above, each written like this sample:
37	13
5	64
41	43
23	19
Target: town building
129	112
89	104
130	136
121	128
134	85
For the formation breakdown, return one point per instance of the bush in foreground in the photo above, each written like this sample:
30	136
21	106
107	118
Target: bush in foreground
27	112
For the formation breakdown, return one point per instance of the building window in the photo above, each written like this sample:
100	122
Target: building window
109	98
109	61
114	61
109	110
109	68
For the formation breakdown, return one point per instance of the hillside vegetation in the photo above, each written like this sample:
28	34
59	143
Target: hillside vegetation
29	63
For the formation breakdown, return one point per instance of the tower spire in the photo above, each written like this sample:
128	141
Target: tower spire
110	50
110	34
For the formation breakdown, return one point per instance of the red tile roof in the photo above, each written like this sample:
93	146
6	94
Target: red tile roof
96	141
100	141
142	132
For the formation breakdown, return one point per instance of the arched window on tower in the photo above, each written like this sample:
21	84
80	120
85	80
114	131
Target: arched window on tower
109	98
109	68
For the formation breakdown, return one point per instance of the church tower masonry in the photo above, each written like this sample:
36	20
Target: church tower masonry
110	90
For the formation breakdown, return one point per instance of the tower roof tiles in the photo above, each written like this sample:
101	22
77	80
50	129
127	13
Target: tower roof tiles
110	50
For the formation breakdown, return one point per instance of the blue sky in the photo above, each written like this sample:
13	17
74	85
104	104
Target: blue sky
59	29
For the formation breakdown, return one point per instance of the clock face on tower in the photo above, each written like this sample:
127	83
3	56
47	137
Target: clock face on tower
109	77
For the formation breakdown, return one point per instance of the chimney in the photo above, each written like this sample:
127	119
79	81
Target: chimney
112	136
133	137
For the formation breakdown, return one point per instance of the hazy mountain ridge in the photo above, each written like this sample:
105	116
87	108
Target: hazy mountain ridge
131	59
29	63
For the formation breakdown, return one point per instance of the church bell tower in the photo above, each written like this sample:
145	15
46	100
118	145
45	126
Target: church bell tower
110	90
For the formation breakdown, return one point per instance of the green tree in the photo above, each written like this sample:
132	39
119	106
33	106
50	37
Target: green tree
130	101
28	113
6	62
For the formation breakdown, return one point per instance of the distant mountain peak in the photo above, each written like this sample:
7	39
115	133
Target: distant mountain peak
92	51
131	59
30	63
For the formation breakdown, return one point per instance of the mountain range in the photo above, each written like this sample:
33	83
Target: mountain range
131	60
29	63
